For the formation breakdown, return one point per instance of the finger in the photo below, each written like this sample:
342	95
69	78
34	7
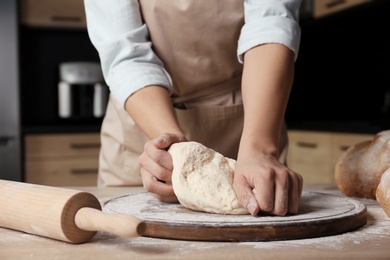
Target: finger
162	191
245	196
159	189
165	140
293	194
158	156
265	190
300	185
281	193
157	169
165	199
298	194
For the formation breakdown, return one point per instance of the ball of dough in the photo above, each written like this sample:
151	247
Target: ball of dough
360	168
202	179
383	192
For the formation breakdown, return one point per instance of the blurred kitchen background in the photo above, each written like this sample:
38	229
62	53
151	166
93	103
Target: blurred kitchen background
52	95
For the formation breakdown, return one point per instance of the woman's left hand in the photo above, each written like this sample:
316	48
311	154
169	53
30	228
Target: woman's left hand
156	166
263	184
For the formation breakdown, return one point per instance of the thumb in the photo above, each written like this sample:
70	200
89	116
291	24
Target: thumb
246	198
161	142
165	140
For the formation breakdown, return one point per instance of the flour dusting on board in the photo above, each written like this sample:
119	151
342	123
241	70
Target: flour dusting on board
360	236
313	206
318	215
336	242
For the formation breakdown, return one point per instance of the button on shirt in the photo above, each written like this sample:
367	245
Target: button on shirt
128	62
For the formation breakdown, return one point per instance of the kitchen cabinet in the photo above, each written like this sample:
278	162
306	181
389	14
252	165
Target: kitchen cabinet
72	159
314	154
59	13
322	8
62	159
57	151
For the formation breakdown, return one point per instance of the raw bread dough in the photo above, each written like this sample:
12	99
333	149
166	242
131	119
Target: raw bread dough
202	179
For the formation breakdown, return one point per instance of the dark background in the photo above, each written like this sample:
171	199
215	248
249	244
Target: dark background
343	72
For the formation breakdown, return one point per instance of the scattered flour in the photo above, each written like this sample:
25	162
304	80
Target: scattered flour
377	224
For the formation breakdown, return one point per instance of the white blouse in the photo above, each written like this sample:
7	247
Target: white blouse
128	62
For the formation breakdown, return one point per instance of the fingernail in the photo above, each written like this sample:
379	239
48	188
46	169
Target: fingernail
160	140
251	208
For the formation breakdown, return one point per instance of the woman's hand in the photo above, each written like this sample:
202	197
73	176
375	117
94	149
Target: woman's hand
156	166
265	185
261	182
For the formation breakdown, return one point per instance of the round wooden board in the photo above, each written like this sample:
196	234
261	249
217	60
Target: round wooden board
319	215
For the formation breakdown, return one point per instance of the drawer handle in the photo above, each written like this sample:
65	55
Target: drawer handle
85	146
344	147
83	171
68	19
335	3
307	145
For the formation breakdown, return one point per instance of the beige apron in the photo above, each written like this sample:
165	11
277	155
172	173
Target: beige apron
197	41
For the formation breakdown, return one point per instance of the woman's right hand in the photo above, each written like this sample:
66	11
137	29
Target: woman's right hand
156	166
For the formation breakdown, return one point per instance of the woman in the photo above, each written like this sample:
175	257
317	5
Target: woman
183	70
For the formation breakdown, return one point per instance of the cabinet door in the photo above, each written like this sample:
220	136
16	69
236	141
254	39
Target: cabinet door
75	172
53	13
310	155
61	145
62	159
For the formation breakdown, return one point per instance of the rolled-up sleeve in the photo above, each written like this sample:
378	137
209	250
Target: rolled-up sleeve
122	40
270	21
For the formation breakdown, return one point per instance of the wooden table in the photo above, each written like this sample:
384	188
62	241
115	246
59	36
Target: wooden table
370	242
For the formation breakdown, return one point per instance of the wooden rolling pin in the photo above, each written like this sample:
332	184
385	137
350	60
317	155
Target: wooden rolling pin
63	214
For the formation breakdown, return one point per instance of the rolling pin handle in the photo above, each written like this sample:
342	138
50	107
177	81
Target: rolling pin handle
91	219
